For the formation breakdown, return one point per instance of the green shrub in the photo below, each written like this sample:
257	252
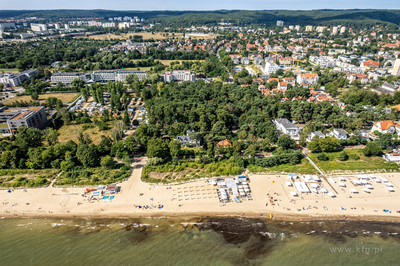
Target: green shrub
322	157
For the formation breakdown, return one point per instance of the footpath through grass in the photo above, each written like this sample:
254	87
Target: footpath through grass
364	164
304	168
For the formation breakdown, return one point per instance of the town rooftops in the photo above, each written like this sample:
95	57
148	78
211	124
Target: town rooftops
309	75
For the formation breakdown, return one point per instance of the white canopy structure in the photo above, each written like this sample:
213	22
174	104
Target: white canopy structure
342	185
389	184
331	194
331	179
323	190
369	187
289	184
366	190
390	189
302	187
342	179
294	194
353	190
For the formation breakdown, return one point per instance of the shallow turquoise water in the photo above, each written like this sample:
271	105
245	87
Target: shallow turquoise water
196	241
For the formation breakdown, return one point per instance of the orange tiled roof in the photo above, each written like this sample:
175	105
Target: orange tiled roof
225	142
385	124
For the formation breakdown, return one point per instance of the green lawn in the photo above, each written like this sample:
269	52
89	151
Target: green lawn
8	70
304	168
364	164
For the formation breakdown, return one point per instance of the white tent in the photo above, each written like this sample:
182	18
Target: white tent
289	184
294	194
323	190
390	189
331	179
302	187
366	190
342	185
246	189
331	194
342	179
389	185
356	182
353	190
369	186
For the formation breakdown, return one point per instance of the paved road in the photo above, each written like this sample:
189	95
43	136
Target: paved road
219	58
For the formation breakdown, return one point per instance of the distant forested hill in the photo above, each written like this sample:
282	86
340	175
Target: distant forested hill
356	17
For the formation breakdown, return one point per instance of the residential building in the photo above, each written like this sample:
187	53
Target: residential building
290	81
224	143
338	133
297	27
16	79
66	78
309	28
245	60
363	78
271	68
116	75
384	127
396	68
370	64
286	127
57	26
334	30
282	85
279	23
307	78
178	75
24	116
314	134
342	30
188	140
38	27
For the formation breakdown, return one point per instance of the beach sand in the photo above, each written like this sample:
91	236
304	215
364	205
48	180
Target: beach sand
200	199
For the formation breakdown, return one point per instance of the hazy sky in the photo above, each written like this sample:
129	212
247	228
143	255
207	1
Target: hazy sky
197	5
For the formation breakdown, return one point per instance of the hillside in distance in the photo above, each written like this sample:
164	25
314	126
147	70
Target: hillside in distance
355	17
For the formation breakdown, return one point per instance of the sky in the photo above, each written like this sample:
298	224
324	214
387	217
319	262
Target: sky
198	5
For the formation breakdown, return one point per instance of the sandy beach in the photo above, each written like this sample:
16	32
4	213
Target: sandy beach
201	199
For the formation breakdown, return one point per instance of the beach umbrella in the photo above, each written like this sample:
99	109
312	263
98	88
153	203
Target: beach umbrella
9	191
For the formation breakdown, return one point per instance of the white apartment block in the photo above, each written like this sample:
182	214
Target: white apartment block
38	27
308	78
14	80
270	68
334	30
67	77
116	75
108	25
342	30
297	27
286	127
178	75
279	23
396	68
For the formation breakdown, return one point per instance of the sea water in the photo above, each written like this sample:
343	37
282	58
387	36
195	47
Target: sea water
197	241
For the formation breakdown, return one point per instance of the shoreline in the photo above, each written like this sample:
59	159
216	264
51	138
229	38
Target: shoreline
276	217
270	193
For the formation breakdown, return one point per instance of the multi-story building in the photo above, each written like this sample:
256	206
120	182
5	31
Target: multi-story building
286	127
14	80
396	68
308	78
334	30
309	28
38	27
342	30
178	75
25	116
297	27
116	75
57	26
271	68
279	23
67	77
